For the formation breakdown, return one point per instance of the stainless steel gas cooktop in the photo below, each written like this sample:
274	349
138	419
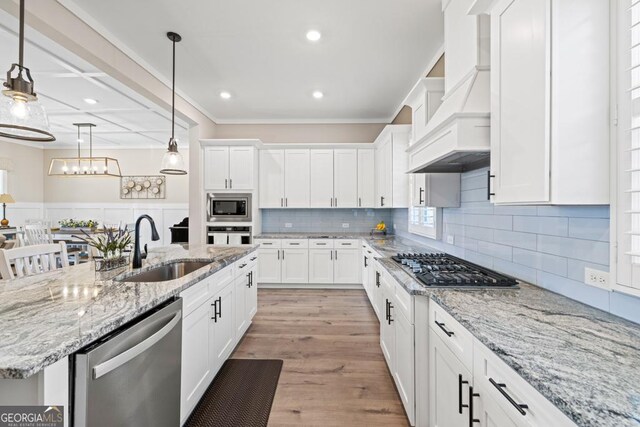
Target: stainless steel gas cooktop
443	270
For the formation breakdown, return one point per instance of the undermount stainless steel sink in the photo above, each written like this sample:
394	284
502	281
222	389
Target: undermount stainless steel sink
164	273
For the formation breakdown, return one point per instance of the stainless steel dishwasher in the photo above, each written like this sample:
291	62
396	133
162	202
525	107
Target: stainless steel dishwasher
132	376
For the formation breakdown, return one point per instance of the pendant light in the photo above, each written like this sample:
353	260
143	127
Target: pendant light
172	162
85	166
21	114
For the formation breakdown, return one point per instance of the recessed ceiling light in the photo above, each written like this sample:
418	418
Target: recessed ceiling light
317	94
90	101
225	95
313	35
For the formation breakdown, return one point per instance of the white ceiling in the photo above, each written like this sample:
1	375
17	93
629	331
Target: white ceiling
370	55
124	119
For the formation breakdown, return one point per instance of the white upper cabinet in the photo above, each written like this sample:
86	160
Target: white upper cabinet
550	102
436	190
392	181
345	174
366	178
216	168
321	180
228	168
271	178
241	168
424	99
296	178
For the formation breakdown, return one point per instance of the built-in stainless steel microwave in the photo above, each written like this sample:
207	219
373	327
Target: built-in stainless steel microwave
229	207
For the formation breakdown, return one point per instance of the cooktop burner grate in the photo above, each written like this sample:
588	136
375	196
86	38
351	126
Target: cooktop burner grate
439	269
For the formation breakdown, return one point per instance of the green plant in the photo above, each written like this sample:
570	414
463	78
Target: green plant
110	243
73	223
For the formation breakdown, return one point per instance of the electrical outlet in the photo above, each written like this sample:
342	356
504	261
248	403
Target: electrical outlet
450	239
345	225
596	278
288	225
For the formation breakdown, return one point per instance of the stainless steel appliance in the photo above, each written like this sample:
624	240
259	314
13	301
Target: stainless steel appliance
223	235
229	207
132	376
437	270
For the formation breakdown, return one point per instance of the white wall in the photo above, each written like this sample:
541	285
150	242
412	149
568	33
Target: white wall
25	181
107	189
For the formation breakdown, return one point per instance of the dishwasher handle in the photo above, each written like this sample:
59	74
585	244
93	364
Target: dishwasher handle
115	362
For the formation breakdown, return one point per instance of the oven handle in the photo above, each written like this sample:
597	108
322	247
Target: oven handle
115	362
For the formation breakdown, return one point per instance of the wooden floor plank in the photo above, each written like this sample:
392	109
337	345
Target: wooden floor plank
334	372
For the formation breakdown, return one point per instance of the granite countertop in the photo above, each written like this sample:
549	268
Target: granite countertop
46	317
583	360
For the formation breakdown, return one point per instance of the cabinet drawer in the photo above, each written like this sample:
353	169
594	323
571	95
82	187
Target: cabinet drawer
195	296
493	377
454	335
321	243
243	265
404	302
269	243
219	280
347	243
295	243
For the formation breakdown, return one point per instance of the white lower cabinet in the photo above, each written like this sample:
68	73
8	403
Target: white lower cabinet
295	265
347	266
449	385
216	313
320	265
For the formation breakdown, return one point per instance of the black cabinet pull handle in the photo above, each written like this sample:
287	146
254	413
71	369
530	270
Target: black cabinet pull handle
386	308
377	279
336	254
489	193
230	183
243	265
365	262
441	326
390	307
520	407
283	254
471	396
254	258
248	280
381	201
278	254
460	383
220	306
360	201
225	183
215	311
420	199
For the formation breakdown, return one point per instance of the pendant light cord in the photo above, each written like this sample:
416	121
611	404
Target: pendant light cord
173	92
21	45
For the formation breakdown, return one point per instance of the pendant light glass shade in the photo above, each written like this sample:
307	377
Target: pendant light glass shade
172	161
21	114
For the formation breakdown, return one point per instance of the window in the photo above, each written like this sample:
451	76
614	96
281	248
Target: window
3	182
626	157
425	221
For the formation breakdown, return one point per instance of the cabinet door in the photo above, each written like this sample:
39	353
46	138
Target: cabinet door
321	178
241	168
520	101
320	265
345	178
295	266
419	188
195	358
346	266
388	329
222	331
216	168
366	178
252	295
404	372
271	178
296	178
241	321
384	182
446	373
269	265
489	412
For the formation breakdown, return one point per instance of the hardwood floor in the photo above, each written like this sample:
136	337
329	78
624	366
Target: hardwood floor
334	372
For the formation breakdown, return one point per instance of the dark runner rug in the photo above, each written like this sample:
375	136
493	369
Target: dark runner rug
240	395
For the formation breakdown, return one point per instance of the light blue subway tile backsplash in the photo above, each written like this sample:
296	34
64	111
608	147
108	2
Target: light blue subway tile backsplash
324	220
549	246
